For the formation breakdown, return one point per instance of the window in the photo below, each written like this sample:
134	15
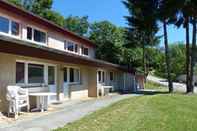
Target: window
74	75
76	48
70	46
39	36
65	45
20	72
35	73
36	35
4	25
15	28
10	27
101	76
65	75
29	33
71	75
51	75
85	51
111	75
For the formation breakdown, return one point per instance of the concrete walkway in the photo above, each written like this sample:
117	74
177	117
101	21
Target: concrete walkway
177	86
68	113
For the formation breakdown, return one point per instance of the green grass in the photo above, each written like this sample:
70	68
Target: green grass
152	85
161	112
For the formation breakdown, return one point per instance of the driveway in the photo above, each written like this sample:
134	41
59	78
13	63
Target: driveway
66	114
177	86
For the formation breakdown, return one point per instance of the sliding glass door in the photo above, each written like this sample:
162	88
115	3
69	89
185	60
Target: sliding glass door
52	82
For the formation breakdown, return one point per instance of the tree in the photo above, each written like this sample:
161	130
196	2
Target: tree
79	25
167	12
132	58
41	8
193	8
142	25
109	40
177	55
55	17
16	2
187	15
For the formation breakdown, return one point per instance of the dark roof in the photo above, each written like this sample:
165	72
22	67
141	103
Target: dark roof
20	11
25	48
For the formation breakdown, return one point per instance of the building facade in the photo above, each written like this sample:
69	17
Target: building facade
36	53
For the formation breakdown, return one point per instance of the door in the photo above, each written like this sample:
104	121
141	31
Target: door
100	81
52	82
65	84
100	78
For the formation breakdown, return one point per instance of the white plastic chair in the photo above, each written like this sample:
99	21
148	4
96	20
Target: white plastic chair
18	98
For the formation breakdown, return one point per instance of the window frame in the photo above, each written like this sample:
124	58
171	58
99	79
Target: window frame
73	44
26	79
74	47
111	73
10	20
32	37
103	77
19	28
82	50
68	74
16	73
55	75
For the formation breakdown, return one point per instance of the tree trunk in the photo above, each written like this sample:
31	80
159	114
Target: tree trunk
187	56
144	62
193	55
168	68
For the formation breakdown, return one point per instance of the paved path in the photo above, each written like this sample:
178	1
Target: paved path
177	86
69	113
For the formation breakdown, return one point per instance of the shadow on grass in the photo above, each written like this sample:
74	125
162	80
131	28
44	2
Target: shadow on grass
147	92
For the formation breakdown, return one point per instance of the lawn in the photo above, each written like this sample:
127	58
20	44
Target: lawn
158	112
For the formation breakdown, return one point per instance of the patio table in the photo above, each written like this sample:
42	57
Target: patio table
42	100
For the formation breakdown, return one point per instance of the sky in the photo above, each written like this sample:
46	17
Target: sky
111	10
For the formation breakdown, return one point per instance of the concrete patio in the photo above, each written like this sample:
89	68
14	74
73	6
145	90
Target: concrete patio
60	114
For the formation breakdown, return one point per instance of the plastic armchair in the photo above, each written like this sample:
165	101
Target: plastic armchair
18	98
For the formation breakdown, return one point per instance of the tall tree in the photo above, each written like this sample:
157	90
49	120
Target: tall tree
167	13
79	25
186	11
142	25
193	8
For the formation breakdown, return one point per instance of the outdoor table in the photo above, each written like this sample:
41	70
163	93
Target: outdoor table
42	99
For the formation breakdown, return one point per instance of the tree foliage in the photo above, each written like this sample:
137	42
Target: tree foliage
41	8
178	58
109	40
142	26
79	25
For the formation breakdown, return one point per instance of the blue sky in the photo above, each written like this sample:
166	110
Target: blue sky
111	10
